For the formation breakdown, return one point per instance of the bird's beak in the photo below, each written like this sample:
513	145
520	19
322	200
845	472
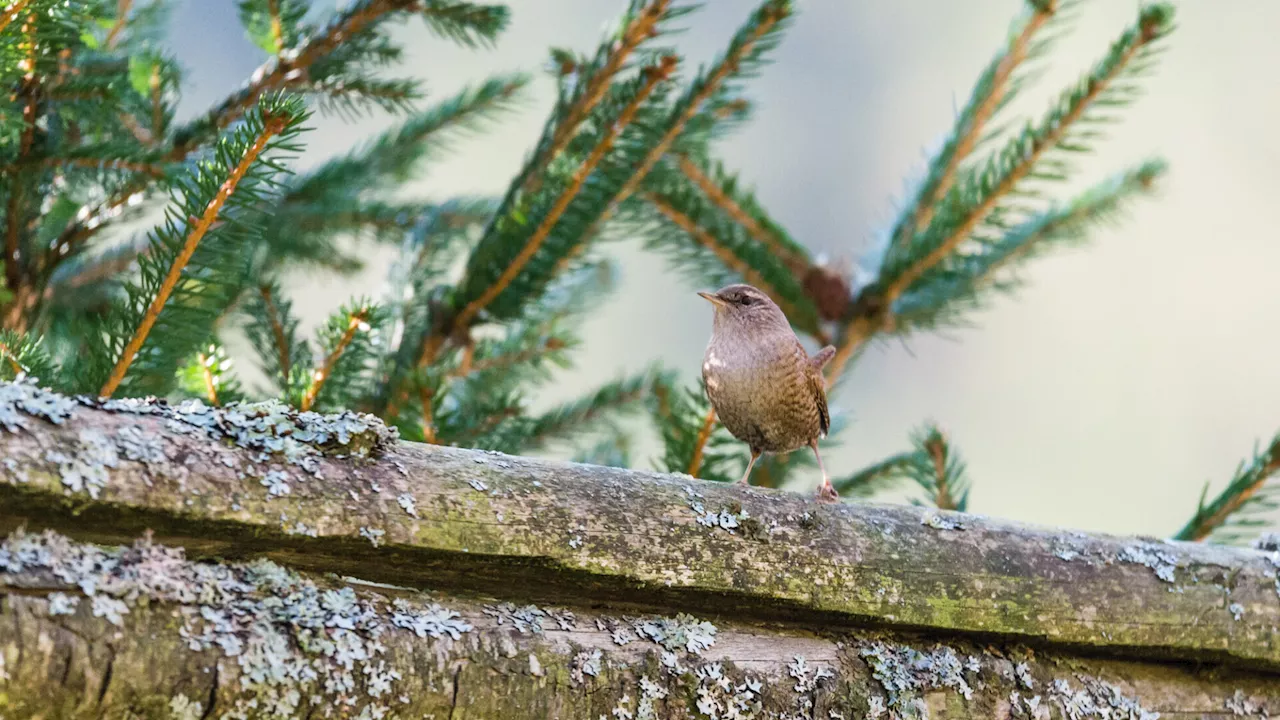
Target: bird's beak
712	297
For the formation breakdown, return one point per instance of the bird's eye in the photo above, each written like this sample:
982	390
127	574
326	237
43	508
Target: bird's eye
746	300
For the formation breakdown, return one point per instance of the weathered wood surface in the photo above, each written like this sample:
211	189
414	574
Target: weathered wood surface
270	484
163	637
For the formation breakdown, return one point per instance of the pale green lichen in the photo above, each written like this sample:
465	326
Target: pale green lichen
22	400
1150	555
1097	699
85	469
718	696
296	645
806	685
408	504
906	673
528	619
1242	706
269	426
182	707
137	444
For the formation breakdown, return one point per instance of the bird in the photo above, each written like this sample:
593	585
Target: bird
766	389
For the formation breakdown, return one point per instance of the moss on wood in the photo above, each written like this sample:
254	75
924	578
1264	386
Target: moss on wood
142	632
226	483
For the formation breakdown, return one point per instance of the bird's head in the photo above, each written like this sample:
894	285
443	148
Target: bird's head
743	305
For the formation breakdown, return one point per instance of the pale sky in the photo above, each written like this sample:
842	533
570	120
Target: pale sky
1101	398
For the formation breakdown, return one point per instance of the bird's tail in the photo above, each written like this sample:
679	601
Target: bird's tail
822	357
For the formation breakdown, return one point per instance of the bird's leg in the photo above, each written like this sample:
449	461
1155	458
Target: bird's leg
826	491
754	455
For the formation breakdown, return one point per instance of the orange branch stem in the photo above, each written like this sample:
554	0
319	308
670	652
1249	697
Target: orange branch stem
277	32
277	330
700	443
210	387
1205	527
11	12
640	29
799	265
13	361
862	328
322	375
981	116
122	17
653	76
272	127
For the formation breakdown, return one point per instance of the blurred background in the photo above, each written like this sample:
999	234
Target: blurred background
1123	377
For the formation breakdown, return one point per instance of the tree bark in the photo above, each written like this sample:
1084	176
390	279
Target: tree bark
252	512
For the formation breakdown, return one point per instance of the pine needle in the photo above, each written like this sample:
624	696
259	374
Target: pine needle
272	126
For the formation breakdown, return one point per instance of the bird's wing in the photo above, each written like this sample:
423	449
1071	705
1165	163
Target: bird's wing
817	383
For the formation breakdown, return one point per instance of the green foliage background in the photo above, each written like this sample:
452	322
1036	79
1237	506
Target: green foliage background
488	293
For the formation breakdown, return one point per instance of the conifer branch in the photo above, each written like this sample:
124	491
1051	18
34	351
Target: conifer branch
210	386
935	447
727	256
276	323
587	413
355	322
1247	486
11	12
272	126
989	93
91	163
122	18
700	442
653	76
640	28
277	32
12	359
26	356
1002	176
878	476
960	283
28	95
798	264
468	366
279	73
767	17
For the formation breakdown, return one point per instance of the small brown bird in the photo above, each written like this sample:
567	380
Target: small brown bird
764	387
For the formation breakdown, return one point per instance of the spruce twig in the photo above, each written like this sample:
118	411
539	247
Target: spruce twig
272	126
283	348
700	443
640	28
990	92
210	384
355	322
12	359
122	19
798	264
1002	176
1246	487
653	76
768	17
8	14
711	243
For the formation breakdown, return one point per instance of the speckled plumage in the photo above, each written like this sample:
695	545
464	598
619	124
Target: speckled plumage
766	390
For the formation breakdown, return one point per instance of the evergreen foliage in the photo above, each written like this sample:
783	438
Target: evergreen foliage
487	294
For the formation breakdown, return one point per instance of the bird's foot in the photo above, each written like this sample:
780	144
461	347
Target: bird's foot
742	481
827	492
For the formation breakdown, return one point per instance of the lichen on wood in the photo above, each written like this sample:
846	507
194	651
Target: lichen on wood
340	496
143	632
